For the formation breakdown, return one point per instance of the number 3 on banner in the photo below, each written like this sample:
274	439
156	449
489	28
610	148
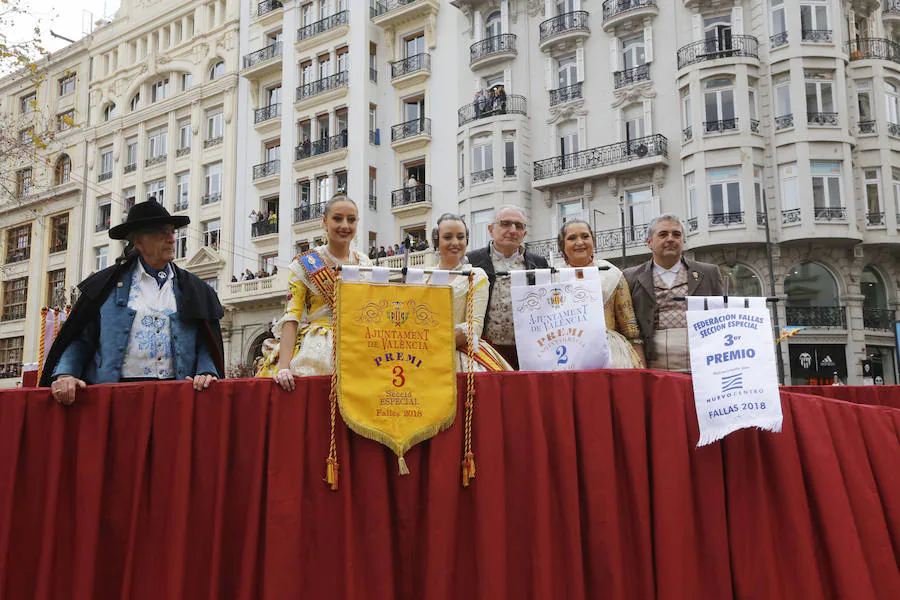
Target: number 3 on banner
561	357
399	379
729	340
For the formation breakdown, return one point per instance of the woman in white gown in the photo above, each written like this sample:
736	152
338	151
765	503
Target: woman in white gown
576	244
451	237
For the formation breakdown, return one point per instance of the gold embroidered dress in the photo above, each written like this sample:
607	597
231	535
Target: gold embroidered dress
621	322
307	307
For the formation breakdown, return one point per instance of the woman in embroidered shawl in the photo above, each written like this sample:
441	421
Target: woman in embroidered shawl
576	244
451	237
305	331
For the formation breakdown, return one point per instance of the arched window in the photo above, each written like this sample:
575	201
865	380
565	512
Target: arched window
742	281
493	26
812	297
109	111
63	170
872	286
217	70
257	350
136	102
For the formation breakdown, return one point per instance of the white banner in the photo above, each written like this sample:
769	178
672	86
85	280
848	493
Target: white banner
559	326
733	366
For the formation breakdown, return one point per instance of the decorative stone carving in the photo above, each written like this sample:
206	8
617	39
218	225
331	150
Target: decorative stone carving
548	199
430	36
635	93
195	117
535	7
566	111
228	110
568	192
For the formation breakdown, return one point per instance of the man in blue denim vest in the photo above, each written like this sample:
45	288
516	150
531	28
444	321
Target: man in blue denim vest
142	319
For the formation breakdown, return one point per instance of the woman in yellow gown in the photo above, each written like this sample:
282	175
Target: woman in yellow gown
451	237
304	330
576	244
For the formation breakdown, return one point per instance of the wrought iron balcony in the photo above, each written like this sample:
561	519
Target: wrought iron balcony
267	53
322	146
611	8
155	160
720	126
267	6
611	239
632	76
875	219
823	213
460	183
104	176
761	219
784	122
213	142
482	176
265	113
373	75
182	152
822	118
712	49
890	7
181	205
878	318
320	86
323	25
130	168
210	198
877	48
410	129
546	248
687	134
816	316
564	23
486	108
865	127
509	171
309	212
754	126
818	36
414	194
103	225
692	224
790	216
725	219
503	43
778	40
387	6
636	149
565	94
264	227
267	168
893	129
411	64
373	202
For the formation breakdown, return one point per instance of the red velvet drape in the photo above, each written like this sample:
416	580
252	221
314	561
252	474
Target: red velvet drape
589	485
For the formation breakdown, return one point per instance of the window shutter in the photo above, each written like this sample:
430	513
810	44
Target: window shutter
737	20
614	54
648	123
504	16
648	43
698	27
579	63
548	73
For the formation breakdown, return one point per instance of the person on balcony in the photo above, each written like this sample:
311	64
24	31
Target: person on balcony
142	319
654	284
477	103
505	252
500	100
451	237
576	244
304	330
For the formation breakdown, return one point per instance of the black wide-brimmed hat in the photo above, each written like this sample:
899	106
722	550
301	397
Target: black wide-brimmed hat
146	214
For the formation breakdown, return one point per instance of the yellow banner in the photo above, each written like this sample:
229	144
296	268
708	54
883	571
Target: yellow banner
396	377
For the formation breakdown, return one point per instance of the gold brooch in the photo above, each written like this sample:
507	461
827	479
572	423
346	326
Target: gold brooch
695	275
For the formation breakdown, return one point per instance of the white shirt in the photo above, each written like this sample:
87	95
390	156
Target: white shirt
667	275
149	350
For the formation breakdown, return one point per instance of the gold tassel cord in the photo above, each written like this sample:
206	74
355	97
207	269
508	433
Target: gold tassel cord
44	312
333	468
404	470
468	462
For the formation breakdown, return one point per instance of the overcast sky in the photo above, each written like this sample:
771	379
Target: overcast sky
68	18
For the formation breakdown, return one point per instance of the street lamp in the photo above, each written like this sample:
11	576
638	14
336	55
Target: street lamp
775	325
622	226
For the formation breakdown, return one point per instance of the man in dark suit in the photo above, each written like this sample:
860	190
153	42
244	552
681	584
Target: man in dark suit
505	252
654	284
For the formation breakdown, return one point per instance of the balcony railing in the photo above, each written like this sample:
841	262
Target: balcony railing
156	160
182	152
632	76
267	168
564	94
790	216
210	198
754	126
486	108
132	167
611	239
267	6
877	48
309	212
821	213
325	84
891	7
411	129
482	176
720	126
102	177
878	318
505	42
11	370
864	127
778	40
712	49
636	149
329	144
323	25
509	171
761	219
818	36
387	6
373	202
822	118
572	21
413	194
265	113
893	129
460	183
693	224
687	134
816	316
18	254
181	205
263	228
784	122
267	53
612	8
373	75
875	219
213	142
725	219
103	225
410	64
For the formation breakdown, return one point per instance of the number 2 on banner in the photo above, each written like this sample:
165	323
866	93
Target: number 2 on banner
399	379
561	357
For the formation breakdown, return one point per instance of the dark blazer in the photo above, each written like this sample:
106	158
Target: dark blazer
704	279
199	303
482	258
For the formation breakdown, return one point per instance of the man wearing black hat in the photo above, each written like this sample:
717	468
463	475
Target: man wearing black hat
142	319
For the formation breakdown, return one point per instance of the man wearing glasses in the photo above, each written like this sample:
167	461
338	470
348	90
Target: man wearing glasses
505	252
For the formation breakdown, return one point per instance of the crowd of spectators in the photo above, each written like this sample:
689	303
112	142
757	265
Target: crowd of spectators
492	102
247	275
411	244
262	216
